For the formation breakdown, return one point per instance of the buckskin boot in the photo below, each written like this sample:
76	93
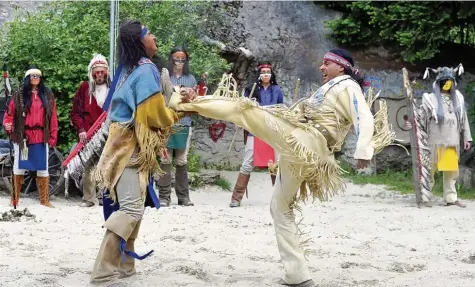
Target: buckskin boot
182	185
239	189
165	185
127	266
43	187
106	267
17	181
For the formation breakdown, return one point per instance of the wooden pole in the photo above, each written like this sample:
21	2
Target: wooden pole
296	91
413	138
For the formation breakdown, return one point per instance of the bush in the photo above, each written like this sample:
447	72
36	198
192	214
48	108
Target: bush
62	37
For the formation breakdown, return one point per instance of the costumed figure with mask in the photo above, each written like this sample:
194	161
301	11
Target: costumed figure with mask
87	108
32	122
257	153
441	122
179	143
140	124
306	148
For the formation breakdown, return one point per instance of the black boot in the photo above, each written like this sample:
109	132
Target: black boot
165	185
181	185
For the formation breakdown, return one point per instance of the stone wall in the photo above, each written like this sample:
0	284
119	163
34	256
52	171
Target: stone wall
292	36
10	9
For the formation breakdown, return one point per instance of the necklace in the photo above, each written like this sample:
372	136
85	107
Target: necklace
448	101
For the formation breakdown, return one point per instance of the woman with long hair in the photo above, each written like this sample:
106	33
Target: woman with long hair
179	142
267	92
32	123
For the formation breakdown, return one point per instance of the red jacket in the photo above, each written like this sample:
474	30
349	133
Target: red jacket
83	113
34	121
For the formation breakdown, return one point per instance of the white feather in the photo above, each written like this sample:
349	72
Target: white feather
461	70
426	74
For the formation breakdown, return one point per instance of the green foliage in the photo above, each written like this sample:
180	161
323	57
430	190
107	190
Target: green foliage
194	162
415	28
62	37
470	94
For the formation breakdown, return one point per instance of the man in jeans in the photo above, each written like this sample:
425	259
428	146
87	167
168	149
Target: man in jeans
179	143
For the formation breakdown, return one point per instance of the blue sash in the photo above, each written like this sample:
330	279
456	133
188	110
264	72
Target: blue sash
36	158
109	207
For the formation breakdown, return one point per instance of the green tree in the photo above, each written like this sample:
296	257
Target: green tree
417	29
62	37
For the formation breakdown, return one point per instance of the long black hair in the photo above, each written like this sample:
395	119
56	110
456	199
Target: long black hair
273	81
129	42
26	91
171	64
354	73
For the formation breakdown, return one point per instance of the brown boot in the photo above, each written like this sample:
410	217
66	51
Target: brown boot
239	189
127	266
17	181
43	187
108	259
119	226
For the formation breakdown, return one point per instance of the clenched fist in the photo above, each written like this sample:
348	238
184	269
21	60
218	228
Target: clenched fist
82	137
187	95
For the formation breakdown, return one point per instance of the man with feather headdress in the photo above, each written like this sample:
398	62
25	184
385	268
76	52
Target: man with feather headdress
86	109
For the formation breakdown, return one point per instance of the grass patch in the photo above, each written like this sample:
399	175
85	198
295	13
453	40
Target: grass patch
223	183
227	166
196	182
402	181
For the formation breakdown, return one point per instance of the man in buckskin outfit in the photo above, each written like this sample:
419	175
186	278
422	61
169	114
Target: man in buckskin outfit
306	148
87	107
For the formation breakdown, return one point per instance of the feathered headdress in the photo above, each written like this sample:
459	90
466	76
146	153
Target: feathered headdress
98	60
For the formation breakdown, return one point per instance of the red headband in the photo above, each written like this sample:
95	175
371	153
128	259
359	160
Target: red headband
264	66
337	60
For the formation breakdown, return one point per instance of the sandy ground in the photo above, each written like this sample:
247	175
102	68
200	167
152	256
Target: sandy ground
364	237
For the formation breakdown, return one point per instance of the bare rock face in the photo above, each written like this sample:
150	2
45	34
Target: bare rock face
292	36
7	9
466	177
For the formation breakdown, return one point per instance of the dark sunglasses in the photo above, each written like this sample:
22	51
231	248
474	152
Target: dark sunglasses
179	60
